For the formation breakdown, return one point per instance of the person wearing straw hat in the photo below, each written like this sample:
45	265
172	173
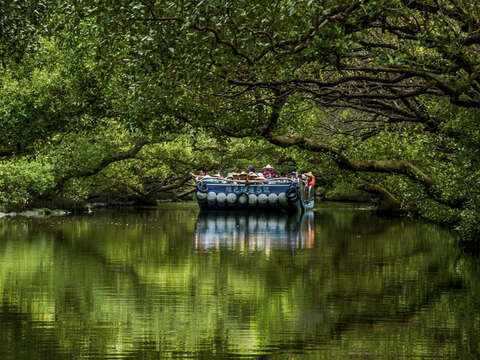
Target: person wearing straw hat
268	172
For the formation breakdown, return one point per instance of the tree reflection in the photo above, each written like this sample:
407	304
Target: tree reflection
171	284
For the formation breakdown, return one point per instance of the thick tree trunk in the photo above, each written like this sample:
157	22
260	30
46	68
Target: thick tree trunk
185	193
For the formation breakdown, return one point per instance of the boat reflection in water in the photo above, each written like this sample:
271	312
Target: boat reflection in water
254	231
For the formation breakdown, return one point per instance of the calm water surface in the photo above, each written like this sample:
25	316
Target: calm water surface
170	283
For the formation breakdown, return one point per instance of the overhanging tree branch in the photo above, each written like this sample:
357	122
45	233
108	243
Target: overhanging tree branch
128	154
376	166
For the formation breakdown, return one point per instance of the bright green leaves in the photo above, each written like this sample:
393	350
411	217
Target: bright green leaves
54	91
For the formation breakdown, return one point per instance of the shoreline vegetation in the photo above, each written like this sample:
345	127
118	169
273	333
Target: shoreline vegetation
61	208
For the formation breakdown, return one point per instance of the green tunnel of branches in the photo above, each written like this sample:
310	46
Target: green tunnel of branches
123	99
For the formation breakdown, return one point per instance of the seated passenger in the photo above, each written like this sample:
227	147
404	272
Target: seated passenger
243	175
268	172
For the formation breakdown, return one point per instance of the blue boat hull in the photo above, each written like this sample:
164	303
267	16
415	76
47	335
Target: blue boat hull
286	196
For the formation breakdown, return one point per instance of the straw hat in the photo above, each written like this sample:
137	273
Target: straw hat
260	178
268	167
309	174
217	175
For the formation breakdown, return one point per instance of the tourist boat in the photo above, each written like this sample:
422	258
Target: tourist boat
279	194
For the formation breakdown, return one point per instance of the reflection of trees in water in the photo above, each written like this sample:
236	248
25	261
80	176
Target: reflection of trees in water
245	231
143	287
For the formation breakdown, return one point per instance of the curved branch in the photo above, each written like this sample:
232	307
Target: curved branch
388	200
220	40
377	166
128	154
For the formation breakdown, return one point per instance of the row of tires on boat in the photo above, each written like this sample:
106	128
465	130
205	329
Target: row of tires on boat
212	199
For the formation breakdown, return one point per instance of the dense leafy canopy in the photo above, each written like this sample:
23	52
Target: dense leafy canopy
379	95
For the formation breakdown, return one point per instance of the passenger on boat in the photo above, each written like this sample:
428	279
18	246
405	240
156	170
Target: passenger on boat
200	175
310	183
232	177
250	168
243	175
293	176
216	178
268	172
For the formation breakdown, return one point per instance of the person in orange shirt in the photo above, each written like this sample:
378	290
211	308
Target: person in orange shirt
310	183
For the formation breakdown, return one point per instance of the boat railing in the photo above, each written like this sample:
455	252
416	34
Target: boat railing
213	180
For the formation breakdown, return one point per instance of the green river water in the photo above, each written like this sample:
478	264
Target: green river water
169	282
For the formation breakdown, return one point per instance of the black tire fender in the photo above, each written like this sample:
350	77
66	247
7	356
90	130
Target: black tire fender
292	194
202	187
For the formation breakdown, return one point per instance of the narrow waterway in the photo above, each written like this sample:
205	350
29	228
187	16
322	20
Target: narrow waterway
173	283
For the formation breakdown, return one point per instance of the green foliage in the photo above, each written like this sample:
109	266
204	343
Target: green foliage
27	178
21	180
20	24
201	80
